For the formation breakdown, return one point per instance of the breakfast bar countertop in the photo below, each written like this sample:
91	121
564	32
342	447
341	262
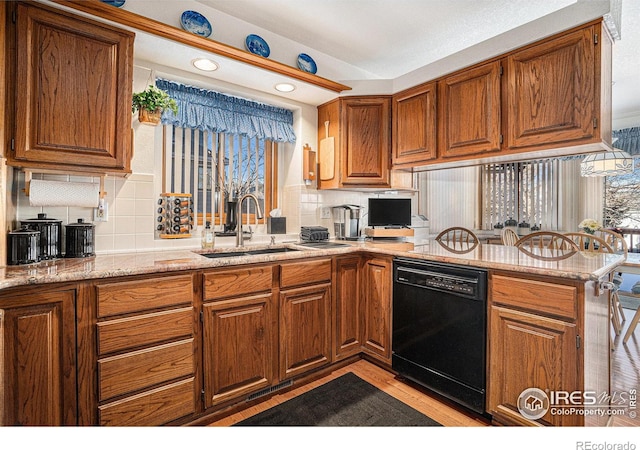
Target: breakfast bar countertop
578	266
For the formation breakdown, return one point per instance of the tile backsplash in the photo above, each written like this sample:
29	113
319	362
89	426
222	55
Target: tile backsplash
132	201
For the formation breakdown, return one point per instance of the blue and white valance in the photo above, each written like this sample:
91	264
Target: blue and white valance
212	111
628	140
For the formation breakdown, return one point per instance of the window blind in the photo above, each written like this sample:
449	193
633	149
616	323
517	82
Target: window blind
525	192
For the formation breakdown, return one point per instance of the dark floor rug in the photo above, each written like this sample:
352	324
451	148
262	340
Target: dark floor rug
346	401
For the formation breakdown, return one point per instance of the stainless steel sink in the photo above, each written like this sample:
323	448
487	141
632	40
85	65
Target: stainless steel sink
323	244
261	251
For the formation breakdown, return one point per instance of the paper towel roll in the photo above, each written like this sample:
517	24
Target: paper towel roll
63	193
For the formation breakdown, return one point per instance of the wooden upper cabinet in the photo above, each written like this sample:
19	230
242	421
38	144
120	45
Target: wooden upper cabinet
551	92
414	125
469	111
74	83
366	139
356	150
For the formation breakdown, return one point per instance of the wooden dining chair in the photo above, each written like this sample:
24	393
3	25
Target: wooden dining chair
589	242
615	240
546	240
458	239
632	326
509	237
595	243
619	245
457	235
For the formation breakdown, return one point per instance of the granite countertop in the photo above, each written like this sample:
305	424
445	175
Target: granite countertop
578	266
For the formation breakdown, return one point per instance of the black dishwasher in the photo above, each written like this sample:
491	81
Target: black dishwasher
439	328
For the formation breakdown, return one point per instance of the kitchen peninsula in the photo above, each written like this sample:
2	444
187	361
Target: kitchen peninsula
179	338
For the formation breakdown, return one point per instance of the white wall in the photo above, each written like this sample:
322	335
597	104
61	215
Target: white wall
449	198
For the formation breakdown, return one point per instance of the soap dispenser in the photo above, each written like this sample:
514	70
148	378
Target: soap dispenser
208	237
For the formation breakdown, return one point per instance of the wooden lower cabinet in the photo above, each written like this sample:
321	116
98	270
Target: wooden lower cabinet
529	351
347	308
377	291
146	341
552	335
305	329
38	358
238	347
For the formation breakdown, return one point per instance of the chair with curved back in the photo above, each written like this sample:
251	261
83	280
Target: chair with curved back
458	239
457	235
615	240
598	243
619	245
590	242
509	237
546	240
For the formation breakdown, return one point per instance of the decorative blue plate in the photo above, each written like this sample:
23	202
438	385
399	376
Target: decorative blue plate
306	63
196	23
255	44
116	3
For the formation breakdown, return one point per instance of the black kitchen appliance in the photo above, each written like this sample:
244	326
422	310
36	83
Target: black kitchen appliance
23	246
79	242
50	235
439	329
389	212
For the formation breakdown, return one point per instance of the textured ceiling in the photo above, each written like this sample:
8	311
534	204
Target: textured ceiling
388	38
383	46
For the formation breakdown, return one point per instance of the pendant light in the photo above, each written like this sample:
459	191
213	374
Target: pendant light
605	164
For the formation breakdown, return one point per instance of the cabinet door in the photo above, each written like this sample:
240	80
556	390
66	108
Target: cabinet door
347	308
551	91
377	308
304	329
74	77
469	111
38	350
238	347
529	351
365	137
414	125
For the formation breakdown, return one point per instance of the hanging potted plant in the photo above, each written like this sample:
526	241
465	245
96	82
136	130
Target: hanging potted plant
150	104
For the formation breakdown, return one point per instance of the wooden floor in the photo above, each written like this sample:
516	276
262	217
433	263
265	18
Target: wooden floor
625	366
383	380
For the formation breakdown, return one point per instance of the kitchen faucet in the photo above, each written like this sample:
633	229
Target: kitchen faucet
239	234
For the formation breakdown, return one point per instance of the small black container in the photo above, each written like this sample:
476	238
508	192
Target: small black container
79	240
50	235
23	246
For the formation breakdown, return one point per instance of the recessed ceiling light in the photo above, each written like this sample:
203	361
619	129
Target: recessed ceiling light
285	87
205	64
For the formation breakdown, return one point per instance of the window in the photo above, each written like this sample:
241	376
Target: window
216	167
526	192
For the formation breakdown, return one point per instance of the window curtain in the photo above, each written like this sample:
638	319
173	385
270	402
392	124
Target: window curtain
628	140
212	111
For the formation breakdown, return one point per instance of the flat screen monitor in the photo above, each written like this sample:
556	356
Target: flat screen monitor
386	212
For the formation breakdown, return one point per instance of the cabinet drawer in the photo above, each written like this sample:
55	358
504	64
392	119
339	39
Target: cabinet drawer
155	407
537	296
132	371
230	283
133	296
305	272
131	332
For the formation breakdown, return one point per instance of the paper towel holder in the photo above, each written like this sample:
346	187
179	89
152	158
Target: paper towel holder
28	173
